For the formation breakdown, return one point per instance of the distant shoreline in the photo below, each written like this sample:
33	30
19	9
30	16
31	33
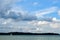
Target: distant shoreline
22	33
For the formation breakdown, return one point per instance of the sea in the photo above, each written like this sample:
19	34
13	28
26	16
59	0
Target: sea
29	37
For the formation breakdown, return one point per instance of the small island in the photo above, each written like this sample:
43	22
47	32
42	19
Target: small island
23	33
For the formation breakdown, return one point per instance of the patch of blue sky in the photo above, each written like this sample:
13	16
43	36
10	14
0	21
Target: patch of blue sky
30	6
52	15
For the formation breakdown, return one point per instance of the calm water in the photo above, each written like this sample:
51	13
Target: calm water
30	37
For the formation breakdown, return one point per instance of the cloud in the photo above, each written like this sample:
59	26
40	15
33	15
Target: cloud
45	11
17	13
11	17
54	19
53	24
21	15
59	12
39	23
26	22
35	3
5	6
10	25
7	11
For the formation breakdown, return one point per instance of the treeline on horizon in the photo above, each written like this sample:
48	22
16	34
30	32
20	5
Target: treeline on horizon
23	33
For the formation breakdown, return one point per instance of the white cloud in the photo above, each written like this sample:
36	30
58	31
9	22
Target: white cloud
10	25
45	11
59	12
54	25
7	21
42	22
17	10
29	26
39	29
35	3
16	25
54	19
39	24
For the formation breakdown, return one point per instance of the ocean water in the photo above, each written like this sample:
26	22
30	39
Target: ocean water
29	37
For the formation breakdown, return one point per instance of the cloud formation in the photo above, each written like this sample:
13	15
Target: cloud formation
8	11
26	22
46	11
5	6
53	24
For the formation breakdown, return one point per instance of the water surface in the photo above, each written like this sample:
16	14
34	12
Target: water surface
29	37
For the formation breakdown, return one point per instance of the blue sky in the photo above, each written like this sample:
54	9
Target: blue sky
35	5
30	16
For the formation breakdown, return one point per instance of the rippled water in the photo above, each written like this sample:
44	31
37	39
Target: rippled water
30	37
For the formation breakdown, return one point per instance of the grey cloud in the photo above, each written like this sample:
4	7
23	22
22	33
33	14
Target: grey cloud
6	5
9	25
13	15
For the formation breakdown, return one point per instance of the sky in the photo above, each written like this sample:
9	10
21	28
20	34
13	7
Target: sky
36	16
